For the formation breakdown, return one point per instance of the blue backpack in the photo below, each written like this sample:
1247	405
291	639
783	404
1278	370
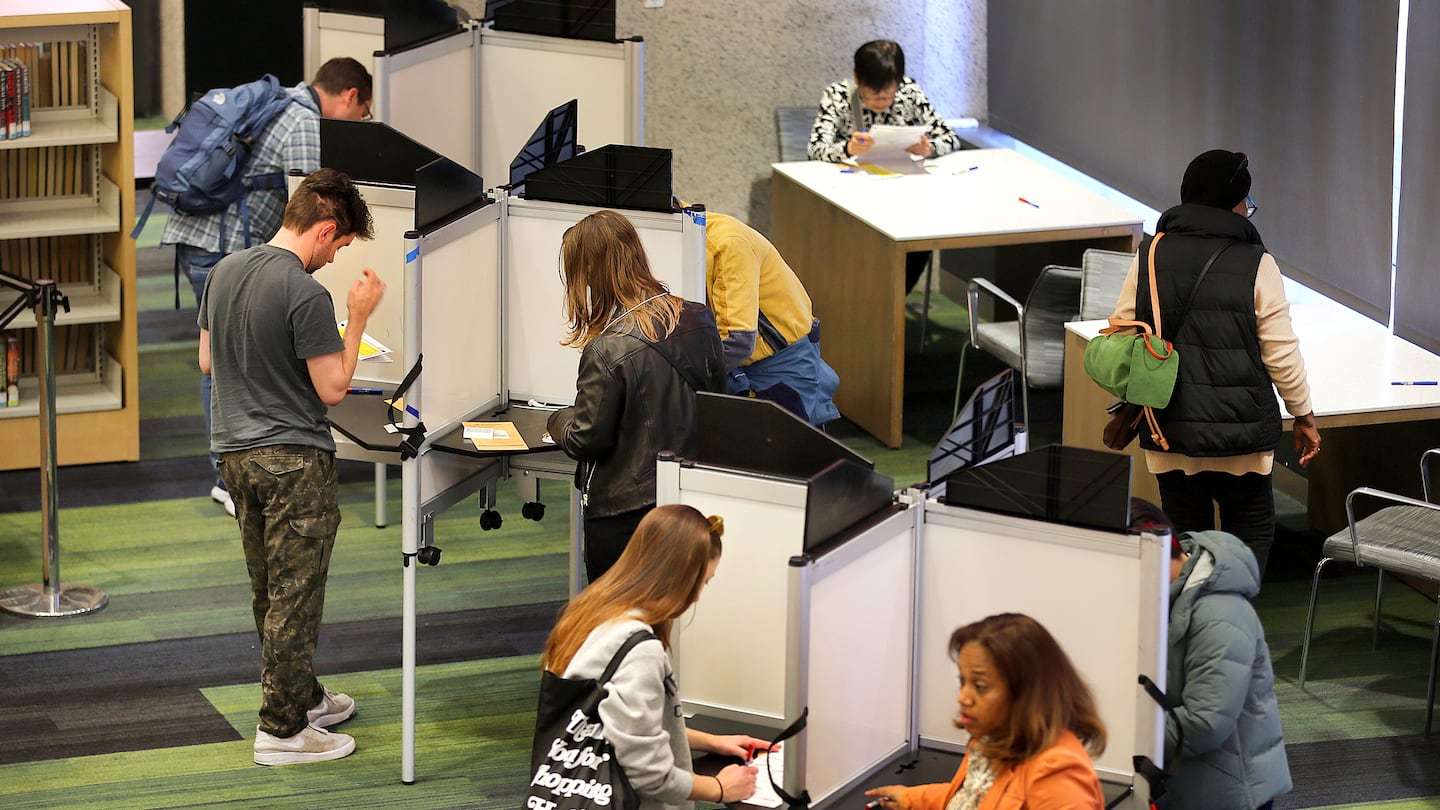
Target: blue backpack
203	169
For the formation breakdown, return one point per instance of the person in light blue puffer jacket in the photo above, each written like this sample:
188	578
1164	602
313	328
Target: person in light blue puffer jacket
1219	675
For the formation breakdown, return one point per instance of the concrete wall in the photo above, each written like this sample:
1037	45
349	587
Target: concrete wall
716	70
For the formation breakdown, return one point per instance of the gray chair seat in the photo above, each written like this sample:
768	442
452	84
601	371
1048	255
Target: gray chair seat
1397	539
1034	343
1001	339
1402	538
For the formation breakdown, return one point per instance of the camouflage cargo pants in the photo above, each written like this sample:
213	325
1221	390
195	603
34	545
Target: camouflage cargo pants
286	504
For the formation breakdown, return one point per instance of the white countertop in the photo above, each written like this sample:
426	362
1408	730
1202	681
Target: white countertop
1350	360
952	199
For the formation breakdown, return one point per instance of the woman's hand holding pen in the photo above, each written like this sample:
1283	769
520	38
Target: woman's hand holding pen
737	783
860	143
890	797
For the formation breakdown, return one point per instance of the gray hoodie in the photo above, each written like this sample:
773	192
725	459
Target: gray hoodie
1219	670
641	714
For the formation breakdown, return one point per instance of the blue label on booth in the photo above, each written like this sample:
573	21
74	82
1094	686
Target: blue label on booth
412	255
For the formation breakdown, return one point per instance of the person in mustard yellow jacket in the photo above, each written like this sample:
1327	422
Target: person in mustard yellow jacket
771	338
1032	725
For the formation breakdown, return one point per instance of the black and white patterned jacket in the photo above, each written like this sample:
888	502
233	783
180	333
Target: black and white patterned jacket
835	122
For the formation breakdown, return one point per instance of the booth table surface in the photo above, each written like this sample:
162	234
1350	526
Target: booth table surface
1350	363
363	418
846	233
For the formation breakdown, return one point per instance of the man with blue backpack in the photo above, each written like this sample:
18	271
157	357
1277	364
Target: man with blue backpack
224	176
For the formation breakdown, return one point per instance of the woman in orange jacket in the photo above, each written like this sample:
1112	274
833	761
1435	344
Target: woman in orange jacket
1032	725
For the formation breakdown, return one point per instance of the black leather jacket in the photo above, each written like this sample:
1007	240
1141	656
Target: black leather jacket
634	399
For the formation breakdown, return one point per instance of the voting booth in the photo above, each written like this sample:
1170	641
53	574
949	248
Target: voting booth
808	524
833	598
473	92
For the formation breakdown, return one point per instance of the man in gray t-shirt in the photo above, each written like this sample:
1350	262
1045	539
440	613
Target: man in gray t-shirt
269	342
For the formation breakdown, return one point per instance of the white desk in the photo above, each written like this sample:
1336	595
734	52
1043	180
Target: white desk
846	235
1350	361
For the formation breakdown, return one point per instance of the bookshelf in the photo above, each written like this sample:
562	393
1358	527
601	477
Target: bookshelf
66	192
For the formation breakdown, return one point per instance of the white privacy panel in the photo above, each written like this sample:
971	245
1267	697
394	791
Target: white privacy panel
537	365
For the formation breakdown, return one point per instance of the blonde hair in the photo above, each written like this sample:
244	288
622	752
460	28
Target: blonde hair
608	280
657	578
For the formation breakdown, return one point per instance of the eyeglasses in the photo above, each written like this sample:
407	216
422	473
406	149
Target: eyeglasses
1250	206
367	116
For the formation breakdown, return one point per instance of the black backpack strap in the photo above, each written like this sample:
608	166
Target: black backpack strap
1180	322
635	638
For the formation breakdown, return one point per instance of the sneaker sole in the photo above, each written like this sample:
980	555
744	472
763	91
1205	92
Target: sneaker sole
275	758
328	720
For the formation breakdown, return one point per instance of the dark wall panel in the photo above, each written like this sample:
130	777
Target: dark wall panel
232	43
1129	90
1417	285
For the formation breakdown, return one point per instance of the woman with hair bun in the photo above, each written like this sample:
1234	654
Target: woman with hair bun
673	554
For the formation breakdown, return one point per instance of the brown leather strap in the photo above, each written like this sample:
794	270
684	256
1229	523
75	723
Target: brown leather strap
1154	288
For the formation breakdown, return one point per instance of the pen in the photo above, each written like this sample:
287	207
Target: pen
1027	202
871	805
962	171
373	392
1415	382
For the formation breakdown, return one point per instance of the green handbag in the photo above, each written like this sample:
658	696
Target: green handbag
1140	369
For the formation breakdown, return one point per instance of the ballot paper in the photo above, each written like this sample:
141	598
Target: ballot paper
494	436
765	794
370	348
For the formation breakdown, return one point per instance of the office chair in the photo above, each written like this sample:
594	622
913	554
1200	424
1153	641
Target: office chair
1402	538
792	131
1033	343
1102	274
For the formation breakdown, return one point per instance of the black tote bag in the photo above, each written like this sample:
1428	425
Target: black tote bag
572	764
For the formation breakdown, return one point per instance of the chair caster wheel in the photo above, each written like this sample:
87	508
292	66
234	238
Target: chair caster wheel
490	519
533	510
429	555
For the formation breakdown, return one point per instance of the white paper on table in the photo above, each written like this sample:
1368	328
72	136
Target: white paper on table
486	434
765	794
892	140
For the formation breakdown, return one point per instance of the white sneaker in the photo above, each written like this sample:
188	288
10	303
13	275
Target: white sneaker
335	707
222	497
310	745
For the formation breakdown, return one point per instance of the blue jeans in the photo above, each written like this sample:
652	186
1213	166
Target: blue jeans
197	264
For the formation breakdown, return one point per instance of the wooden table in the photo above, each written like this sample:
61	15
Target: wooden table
1372	433
846	234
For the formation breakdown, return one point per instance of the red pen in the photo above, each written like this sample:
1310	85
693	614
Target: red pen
1027	202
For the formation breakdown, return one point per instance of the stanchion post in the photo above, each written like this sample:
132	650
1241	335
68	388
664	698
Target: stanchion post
50	598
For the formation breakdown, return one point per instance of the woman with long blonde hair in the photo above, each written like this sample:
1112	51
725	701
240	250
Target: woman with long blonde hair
673	554
644	355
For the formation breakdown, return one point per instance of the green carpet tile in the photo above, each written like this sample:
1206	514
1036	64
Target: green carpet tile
170	560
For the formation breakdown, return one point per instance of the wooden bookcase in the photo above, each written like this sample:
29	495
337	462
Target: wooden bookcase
67	194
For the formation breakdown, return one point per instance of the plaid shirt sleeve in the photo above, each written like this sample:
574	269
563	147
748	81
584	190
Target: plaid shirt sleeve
291	141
